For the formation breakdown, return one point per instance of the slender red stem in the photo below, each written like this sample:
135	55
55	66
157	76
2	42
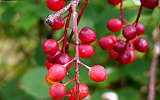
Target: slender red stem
69	82
122	15
84	65
139	15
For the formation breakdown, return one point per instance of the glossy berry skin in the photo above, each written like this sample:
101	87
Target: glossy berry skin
151	4
113	37
141	44
49	64
83	89
114	2
119	46
58	23
50	46
50	82
55	5
86	51
70	95
63	59
97	73
87	35
57	91
124	57
113	54
114	25
57	73
106	43
140	29
132	55
129	32
52	58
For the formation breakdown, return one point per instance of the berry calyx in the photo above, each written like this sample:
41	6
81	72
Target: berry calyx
129	32
57	73
119	46
114	2
57	91
49	64
140	29
83	89
87	35
114	25
124	57
151	4
86	51
58	23
141	44
97	73
50	46
113	54
63	59
106	43
55	5
52	58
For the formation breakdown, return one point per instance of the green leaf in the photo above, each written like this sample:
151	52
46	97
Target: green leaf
33	82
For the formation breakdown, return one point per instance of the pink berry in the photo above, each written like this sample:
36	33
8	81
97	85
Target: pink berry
114	25
48	64
63	59
55	5
140	29
52	58
57	73
57	91
124	57
87	35
50	46
129	32
106	43
97	73
58	23
86	51
151	4
113	54
141	44
114	2
119	46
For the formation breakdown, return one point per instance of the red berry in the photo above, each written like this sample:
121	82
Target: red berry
87	35
151	4
129	32
70	95
124	57
113	54
55	5
86	51
48	64
63	59
106	43
141	44
119	46
57	91
114	2
114	25
97	73
58	23
133	56
83	89
50	82
52	58
140	29
113	37
57	73
50	46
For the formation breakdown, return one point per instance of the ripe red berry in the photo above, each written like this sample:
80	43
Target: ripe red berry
57	73
55	5
70	95
50	82
114	2
97	73
113	54
87	35
83	89
58	23
129	32
106	43
113	37
57	91
48	64
151	4
86	51
50	46
124	57
63	59
141	44
114	25
119	46
52	58
140	29
133	56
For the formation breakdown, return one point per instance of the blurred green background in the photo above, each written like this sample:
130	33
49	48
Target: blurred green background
23	31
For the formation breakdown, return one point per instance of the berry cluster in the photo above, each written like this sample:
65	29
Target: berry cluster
124	49
58	61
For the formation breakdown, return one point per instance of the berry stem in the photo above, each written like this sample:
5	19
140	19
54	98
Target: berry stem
84	65
122	15
69	82
139	15
69	62
69	75
74	7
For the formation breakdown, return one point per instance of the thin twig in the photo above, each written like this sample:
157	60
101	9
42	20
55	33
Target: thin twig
139	15
122	15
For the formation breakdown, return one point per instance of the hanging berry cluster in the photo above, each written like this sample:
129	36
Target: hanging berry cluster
124	49
58	61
